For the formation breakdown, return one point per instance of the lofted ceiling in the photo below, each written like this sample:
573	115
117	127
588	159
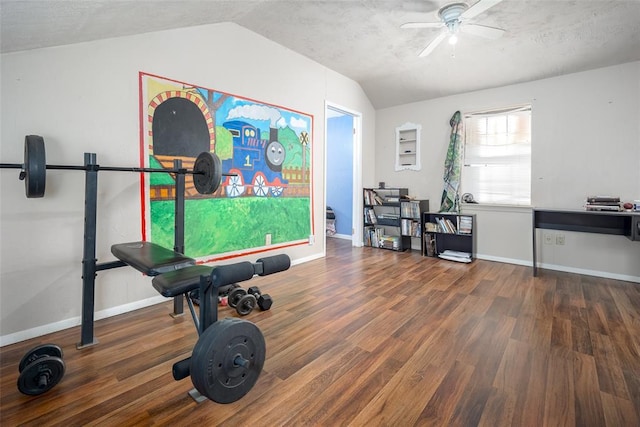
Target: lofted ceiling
362	39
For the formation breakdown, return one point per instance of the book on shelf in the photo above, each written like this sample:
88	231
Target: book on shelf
606	207
446	226
410	209
602	203
372	198
390	242
370	216
410	227
405	226
373	236
389	215
430	244
465	224
603	199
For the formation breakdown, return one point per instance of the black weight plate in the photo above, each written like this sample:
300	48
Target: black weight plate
207	172
41	376
246	305
38	352
235	295
215	371
35	166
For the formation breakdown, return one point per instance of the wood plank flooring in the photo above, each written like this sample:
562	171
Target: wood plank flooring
376	338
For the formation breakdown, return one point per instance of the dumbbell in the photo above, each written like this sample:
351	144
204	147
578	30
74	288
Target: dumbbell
243	302
264	300
40	369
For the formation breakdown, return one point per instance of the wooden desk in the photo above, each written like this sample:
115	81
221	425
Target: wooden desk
603	222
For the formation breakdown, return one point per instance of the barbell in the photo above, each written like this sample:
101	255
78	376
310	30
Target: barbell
207	169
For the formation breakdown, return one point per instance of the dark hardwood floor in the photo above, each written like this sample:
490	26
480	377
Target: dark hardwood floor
371	337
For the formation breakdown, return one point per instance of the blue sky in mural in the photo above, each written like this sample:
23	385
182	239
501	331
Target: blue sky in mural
260	115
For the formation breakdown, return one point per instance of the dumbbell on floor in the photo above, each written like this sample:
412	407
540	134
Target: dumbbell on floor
264	300
244	302
40	369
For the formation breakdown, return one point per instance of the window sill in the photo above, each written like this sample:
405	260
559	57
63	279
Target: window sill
488	207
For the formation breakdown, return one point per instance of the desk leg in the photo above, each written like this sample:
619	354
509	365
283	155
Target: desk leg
535	266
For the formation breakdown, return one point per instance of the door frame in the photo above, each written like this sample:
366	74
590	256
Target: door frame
356	217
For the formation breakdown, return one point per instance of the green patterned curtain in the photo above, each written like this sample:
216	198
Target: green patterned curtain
452	166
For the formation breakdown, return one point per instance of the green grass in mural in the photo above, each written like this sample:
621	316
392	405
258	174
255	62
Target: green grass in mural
220	225
159	178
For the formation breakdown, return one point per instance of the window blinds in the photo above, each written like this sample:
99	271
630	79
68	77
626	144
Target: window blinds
497	155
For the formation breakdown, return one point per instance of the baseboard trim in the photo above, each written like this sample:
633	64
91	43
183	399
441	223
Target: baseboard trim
39	331
504	260
307	259
563	268
341	236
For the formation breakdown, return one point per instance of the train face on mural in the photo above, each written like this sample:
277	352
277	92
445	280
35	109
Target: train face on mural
256	162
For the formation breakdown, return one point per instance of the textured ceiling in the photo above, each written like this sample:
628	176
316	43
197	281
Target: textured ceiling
363	40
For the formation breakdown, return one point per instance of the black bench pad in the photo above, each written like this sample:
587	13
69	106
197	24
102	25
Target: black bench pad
178	282
150	258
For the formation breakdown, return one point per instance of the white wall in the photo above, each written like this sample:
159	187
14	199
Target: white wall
84	98
586	141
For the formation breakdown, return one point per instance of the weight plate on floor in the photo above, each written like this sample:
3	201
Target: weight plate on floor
227	360
235	295
246	305
41	375
35	166
207	172
38	352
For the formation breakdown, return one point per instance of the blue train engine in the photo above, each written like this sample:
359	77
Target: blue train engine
256	162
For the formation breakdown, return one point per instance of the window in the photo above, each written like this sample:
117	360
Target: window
497	156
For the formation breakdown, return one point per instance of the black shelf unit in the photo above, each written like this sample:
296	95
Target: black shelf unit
411	219
451	231
382	218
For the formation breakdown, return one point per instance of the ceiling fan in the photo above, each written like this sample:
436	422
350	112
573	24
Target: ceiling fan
453	19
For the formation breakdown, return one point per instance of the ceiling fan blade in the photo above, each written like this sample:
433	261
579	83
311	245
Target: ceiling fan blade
434	43
482	31
478	8
422	25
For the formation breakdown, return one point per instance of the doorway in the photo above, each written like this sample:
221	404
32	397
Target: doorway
343	178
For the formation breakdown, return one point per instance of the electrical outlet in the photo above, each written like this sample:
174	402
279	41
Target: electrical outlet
267	239
560	239
548	239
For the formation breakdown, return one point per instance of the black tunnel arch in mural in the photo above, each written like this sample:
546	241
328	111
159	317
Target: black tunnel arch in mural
179	129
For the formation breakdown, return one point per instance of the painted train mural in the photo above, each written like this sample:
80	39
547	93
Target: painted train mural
264	149
257	162
267	148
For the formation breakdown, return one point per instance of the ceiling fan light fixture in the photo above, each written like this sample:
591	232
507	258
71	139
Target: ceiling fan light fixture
453	27
451	12
454	17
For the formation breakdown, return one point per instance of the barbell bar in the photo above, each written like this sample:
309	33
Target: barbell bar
207	169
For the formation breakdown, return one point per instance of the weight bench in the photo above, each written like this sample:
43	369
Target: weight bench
229	354
150	258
